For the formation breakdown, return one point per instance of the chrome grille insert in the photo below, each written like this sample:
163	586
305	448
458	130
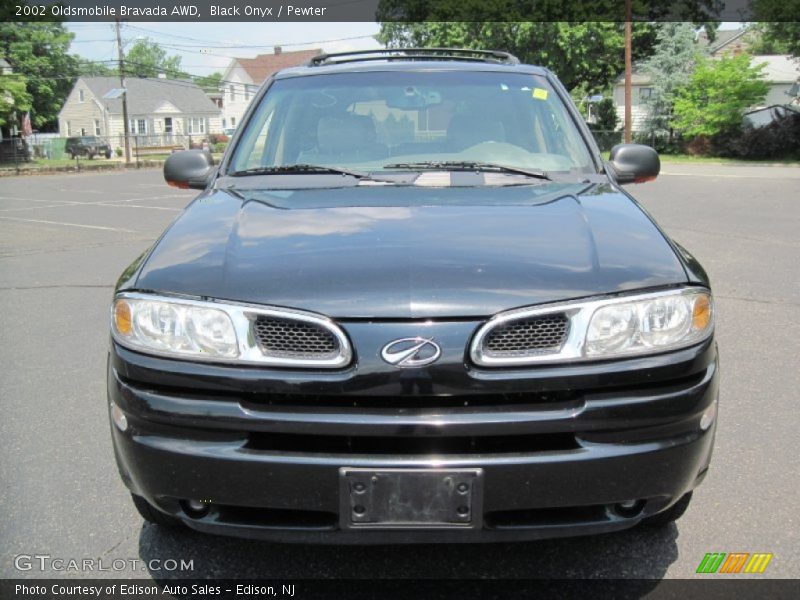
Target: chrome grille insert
527	337
296	339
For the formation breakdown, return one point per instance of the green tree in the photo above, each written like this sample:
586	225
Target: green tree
89	68
778	38
607	117
778	25
148	59
669	69
209	83
38	51
14	99
717	94
583	53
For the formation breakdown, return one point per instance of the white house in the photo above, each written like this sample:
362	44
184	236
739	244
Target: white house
160	111
244	76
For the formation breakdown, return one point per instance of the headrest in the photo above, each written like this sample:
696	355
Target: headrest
341	134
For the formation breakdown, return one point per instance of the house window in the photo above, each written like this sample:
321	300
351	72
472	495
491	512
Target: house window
69	129
644	94
80	95
97	126
233	121
196	125
246	93
83	131
232	91
224	123
167	124
137	126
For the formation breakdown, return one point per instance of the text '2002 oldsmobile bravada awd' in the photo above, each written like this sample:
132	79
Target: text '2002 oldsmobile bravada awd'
413	304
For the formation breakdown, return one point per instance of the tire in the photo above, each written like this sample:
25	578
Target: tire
91	155
672	514
72	155
153	515
108	154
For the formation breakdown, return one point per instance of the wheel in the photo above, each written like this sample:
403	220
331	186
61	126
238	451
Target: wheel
153	515
108	154
672	514
91	155
72	155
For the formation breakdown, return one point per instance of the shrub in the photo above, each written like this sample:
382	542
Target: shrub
717	95
216	138
779	139
219	147
118	152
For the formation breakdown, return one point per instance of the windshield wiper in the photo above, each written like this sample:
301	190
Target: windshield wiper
467	165
296	169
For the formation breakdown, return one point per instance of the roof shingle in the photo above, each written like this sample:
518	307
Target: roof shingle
264	65
146	95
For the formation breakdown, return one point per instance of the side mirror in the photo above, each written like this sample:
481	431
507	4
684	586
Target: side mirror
189	169
634	163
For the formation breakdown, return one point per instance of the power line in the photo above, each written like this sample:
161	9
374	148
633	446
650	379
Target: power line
258	46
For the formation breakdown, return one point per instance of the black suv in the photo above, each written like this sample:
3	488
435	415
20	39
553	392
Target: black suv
413	304
88	146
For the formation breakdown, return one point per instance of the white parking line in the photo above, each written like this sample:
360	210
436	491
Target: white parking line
69	224
138	206
726	176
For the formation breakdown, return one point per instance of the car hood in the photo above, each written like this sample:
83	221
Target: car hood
411	252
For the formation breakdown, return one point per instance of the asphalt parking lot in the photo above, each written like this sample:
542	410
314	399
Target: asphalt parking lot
64	239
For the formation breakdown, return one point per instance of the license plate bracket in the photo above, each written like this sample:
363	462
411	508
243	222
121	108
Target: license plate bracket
410	498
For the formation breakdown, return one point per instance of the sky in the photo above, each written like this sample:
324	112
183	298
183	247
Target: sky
208	47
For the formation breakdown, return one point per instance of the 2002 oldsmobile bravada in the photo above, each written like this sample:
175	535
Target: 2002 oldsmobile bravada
413	304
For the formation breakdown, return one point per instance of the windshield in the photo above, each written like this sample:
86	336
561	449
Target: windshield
379	121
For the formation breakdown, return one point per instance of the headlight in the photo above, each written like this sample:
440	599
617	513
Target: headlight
649	324
227	332
175	328
625	325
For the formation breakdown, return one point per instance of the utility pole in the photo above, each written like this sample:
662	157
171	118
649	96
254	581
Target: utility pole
125	124
628	58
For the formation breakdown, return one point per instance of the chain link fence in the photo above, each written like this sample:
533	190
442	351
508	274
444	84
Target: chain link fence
662	141
54	151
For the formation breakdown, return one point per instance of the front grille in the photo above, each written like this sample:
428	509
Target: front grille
294	339
525	337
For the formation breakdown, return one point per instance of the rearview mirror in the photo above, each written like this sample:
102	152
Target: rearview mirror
634	163
189	169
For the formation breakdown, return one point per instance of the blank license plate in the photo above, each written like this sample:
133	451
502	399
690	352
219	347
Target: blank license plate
410	498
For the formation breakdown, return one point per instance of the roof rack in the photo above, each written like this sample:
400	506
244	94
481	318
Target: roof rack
458	54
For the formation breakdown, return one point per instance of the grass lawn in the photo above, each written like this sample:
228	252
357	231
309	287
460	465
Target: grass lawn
85	164
688	158
714	160
41	163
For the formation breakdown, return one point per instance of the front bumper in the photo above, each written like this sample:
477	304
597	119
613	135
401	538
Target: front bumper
559	448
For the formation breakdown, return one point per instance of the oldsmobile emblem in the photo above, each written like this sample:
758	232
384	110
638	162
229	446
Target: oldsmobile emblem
411	352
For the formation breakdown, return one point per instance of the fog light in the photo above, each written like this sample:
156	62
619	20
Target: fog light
629	508
195	508
120	420
708	417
